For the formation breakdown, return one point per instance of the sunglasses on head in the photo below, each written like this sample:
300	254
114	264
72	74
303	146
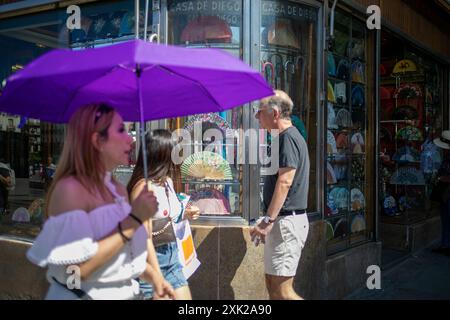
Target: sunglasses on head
102	109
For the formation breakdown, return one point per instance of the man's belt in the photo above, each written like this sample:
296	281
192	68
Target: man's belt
291	213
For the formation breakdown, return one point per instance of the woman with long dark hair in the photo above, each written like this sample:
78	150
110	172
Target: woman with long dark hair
161	169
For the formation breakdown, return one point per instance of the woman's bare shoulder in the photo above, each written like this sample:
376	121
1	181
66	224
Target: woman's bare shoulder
68	194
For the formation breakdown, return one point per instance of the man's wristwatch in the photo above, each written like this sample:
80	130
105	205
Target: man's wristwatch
268	220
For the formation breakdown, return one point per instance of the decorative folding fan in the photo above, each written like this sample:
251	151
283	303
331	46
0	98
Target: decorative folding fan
281	33
207	28
221	123
404	66
340	196
331	143
358	96
344	118
340	171
331	96
408	176
358	72
342	141
390	206
340	90
430	158
357	199
358	224
409	133
331	204
343	70
330	231
405	113
406	154
331	65
206	165
331	178
357	141
407	91
340	228
331	117
210	201
21	215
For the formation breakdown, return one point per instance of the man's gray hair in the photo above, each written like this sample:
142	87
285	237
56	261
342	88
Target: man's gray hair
282	102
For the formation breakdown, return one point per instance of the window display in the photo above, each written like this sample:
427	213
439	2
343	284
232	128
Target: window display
411	116
212	174
288	51
346	191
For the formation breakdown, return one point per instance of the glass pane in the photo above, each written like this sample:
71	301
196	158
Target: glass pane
288	56
215	137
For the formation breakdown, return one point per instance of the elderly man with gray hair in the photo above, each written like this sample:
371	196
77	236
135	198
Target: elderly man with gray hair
284	228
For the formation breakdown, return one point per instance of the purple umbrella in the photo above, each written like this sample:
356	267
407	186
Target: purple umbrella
141	80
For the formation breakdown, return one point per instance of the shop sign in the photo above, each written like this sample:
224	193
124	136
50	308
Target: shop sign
228	10
288	9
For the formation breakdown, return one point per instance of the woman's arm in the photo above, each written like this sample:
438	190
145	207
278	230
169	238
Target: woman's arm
63	201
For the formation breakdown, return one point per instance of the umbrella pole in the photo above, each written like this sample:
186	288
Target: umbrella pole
142	124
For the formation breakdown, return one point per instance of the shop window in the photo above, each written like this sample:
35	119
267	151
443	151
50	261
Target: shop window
411	117
212	174
288	62
347	212
31	147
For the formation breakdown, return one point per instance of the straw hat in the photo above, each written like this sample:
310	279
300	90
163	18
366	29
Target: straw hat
444	140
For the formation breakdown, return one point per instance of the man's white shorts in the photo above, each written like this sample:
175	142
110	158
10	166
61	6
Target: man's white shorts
284	245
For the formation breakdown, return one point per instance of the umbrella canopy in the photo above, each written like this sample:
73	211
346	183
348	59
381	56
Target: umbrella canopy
134	76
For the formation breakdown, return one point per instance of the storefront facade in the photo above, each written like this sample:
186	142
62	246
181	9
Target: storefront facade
334	82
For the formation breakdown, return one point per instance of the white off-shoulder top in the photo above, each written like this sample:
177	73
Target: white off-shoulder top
72	237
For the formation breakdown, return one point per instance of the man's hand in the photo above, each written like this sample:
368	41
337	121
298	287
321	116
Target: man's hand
162	290
259	232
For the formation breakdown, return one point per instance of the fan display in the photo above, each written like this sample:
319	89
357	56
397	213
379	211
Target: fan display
430	158
210	201
390	206
357	199
357	142
330	231
343	70
406	155
404	66
358	72
207	29
409	133
331	95
331	117
206	165
341	197
214	118
21	215
407	91
331	177
408	176
358	224
342	140
344	118
331	143
358	96
340	90
341	228
331	64
331	205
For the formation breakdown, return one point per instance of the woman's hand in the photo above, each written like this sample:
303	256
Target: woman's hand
192	213
162	290
145	205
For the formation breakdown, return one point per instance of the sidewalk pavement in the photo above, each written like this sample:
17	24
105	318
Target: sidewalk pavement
422	276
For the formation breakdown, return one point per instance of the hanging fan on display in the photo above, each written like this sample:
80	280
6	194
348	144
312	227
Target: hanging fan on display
206	165
214	118
409	133
357	142
281	33
331	96
357	199
344	118
358	224
207	29
406	155
331	65
342	141
331	205
390	206
407	91
358	72
331	178
358	96
341	228
405	113
331	117
341	197
343	70
331	143
408	176
404	66
21	215
330	231
210	201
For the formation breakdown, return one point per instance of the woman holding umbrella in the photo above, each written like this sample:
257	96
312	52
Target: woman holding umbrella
94	242
159	146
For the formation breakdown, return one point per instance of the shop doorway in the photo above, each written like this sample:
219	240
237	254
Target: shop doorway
411	116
